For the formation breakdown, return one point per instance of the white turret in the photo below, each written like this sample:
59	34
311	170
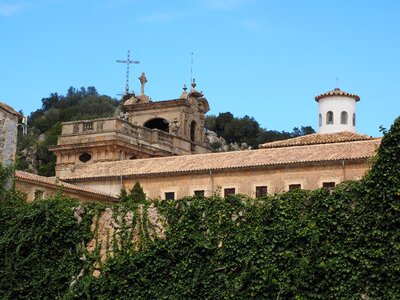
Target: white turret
336	111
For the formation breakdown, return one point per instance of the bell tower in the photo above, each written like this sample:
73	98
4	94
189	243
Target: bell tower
337	111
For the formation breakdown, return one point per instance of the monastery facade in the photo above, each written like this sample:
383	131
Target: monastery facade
163	145
141	129
180	164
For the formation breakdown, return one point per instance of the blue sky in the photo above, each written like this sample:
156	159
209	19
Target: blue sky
262	58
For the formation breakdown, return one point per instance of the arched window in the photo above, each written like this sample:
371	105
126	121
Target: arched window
329	117
193	131
85	157
157	123
343	118
320	120
354	119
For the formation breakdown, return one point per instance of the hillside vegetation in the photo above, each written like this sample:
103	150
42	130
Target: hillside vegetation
44	125
342	243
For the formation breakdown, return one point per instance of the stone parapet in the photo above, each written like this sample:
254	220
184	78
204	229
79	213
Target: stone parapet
113	139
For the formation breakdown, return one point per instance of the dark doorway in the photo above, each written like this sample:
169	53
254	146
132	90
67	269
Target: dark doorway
157	123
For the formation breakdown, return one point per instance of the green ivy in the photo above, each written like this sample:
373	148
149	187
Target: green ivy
342	243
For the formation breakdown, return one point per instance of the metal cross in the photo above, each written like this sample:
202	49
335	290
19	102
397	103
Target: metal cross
127	61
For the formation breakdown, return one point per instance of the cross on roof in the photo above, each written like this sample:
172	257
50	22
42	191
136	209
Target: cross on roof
127	61
143	81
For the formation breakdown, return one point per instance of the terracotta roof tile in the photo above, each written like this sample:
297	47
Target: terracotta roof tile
229	160
56	183
316	138
336	92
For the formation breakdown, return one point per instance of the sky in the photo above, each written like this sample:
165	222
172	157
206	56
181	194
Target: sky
267	59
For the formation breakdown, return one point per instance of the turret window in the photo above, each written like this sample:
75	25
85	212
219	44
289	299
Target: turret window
329	117
354	119
320	120
343	118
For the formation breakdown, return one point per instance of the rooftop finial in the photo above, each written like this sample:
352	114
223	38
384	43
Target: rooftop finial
184	87
337	83
143	81
194	83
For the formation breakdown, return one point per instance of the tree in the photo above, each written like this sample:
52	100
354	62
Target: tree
222	121
134	195
304	130
77	104
51	101
210	122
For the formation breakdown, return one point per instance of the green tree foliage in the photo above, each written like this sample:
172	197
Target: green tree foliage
135	195
45	125
247	130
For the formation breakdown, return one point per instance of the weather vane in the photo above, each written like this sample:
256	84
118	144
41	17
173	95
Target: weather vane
127	61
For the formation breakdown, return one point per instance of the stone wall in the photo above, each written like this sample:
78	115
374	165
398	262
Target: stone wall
9	119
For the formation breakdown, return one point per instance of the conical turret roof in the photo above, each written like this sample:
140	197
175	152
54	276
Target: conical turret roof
337	92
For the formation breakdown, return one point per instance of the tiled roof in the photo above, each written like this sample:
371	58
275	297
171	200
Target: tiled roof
337	92
53	181
316	138
10	109
229	160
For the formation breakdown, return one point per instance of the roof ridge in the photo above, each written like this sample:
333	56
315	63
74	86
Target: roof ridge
318	138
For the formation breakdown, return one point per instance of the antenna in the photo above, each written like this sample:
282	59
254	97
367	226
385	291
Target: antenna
191	68
127	61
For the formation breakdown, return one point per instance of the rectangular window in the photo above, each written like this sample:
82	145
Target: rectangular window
229	191
294	186
199	193
261	191
328	185
170	196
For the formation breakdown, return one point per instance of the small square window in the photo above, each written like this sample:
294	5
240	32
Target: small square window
199	193
294	186
229	191
328	185
261	191
170	196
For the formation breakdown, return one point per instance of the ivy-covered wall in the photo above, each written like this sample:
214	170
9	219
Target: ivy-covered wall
341	244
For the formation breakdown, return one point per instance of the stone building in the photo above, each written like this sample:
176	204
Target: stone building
309	162
9	119
39	187
163	146
147	129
